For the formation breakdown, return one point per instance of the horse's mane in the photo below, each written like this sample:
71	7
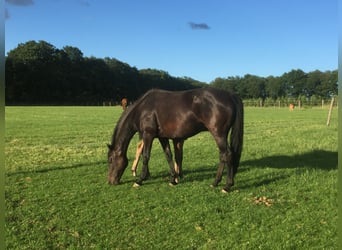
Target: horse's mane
126	113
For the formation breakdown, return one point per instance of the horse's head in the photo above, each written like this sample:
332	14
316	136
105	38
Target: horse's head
117	163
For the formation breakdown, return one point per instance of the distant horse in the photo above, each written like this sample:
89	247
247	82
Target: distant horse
124	103
178	148
178	116
291	106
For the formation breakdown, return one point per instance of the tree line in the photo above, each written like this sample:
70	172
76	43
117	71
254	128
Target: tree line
294	85
38	73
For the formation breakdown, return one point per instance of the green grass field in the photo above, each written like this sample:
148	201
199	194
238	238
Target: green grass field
57	196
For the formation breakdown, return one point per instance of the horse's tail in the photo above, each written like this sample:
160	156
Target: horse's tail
236	135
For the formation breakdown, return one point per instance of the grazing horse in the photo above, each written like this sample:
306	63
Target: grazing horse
179	115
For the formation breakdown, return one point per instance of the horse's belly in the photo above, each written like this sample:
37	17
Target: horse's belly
180	130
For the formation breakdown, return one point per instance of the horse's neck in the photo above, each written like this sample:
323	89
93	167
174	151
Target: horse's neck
123	137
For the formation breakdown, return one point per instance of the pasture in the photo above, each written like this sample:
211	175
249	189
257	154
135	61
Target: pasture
57	196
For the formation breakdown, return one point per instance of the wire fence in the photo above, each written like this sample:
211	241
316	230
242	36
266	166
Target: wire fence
294	103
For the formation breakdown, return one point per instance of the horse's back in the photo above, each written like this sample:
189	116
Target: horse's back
170	114
215	108
185	113
187	97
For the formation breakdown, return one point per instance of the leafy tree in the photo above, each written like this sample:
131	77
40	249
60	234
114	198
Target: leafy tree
33	65
274	87
313	80
255	86
74	54
229	83
295	81
328	84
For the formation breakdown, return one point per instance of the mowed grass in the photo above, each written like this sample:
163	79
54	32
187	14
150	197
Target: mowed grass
57	196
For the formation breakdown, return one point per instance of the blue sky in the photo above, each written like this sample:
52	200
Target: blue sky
194	38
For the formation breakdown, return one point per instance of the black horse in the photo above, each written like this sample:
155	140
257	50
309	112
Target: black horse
177	116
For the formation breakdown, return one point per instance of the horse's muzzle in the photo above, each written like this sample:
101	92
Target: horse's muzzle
113	181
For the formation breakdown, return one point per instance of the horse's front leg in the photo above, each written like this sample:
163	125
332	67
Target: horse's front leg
166	147
178	147
147	145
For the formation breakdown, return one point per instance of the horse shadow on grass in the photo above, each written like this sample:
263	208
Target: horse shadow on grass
316	159
57	168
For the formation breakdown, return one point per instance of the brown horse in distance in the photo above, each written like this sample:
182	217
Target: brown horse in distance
124	103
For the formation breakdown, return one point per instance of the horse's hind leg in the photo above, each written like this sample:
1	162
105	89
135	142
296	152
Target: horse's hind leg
178	147
225	160
222	146
220	169
230	173
166	147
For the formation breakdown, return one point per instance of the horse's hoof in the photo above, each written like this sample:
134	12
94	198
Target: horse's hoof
136	185
134	173
177	180
224	191
172	184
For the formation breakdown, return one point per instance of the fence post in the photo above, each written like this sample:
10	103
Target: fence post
330	109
